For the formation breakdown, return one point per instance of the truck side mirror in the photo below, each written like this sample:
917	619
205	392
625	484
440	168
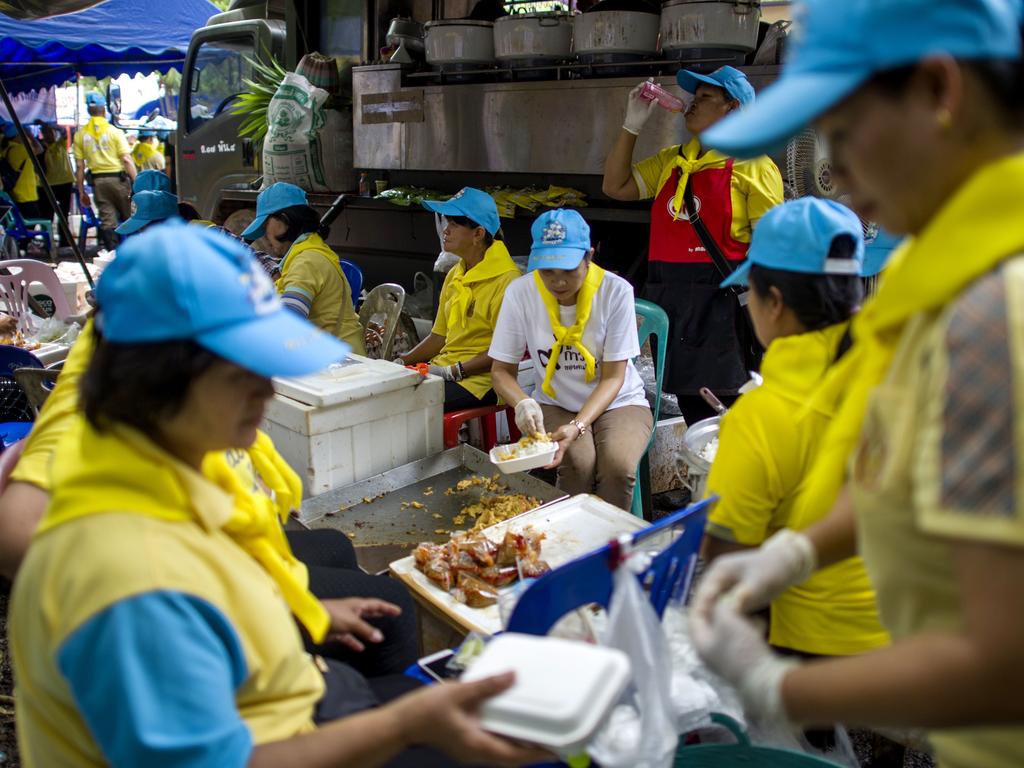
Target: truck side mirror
114	101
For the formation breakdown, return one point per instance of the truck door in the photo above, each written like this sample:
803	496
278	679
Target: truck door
212	156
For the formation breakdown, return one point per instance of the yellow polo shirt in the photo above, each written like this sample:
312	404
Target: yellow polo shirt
58	166
25	189
147	157
755	187
472	335
100	146
311	274
760	471
136	522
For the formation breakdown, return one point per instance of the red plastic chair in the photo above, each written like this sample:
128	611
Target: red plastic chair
488	416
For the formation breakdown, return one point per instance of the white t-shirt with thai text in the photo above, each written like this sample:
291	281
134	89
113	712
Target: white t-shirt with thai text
610	335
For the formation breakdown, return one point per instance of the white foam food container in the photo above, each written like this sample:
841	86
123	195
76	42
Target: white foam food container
523	463
563	690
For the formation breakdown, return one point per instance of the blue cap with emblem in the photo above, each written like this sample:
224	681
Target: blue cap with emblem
95	99
561	238
274	198
149	208
472	203
797	237
151	181
837	47
177	282
730	79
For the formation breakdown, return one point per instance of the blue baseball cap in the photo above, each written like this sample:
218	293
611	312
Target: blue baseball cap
151	181
148	208
95	99
472	203
274	198
178	282
10	130
146	133
731	79
878	247
839	45
796	237
561	238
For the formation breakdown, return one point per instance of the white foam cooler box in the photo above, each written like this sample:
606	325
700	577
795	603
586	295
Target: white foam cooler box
354	420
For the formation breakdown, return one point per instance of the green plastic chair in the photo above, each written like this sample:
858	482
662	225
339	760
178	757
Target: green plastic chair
653	322
743	753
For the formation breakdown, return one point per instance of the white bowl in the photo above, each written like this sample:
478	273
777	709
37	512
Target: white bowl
523	463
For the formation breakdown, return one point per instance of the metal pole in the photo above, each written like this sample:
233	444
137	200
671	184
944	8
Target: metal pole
41	176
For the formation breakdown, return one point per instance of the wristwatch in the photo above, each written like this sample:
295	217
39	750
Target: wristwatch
580	426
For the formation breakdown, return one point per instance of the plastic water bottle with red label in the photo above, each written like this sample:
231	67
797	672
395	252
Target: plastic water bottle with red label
651	91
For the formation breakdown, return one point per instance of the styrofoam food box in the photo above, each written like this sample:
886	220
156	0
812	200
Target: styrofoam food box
523	463
562	693
353	421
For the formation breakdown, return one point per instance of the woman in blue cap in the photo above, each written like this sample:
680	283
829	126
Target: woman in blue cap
578	325
471	296
312	282
920	101
170	641
710	340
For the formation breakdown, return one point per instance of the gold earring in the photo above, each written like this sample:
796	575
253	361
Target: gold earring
944	118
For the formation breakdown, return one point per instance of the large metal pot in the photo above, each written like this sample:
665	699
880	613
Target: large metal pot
406	31
459	41
728	24
603	32
535	36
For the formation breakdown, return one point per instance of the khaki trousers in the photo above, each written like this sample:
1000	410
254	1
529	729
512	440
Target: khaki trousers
113	198
604	460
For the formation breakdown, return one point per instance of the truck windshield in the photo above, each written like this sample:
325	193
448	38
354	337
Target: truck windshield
218	72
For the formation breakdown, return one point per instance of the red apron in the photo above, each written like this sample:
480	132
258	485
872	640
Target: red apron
708	337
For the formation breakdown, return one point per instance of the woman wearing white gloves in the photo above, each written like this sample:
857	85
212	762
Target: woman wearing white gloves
926	136
456	348
578	324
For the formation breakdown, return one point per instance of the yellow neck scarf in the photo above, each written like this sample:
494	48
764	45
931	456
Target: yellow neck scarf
689	163
572	336
496	261
96	126
121	470
973	233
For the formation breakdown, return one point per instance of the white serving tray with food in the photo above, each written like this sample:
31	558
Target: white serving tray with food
571	527
529	453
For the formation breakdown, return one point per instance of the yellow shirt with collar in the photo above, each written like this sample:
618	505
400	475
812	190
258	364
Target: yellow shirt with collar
58	166
474	335
135	520
147	157
101	146
25	189
760	471
755	187
311	270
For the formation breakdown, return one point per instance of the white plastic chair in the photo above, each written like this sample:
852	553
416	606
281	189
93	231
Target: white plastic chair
16	275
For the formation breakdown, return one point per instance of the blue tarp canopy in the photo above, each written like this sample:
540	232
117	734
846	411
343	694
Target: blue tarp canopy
115	36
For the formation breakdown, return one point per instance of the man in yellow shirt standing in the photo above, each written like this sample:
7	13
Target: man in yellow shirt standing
146	154
24	193
104	149
710	340
57	166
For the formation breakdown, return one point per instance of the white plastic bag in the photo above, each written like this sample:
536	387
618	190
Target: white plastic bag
291	149
640	733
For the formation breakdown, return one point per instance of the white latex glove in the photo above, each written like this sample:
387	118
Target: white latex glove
444	371
529	416
637	111
754	578
735	649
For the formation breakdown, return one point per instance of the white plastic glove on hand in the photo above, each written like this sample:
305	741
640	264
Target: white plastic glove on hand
754	578
638	109
735	649
529	416
444	371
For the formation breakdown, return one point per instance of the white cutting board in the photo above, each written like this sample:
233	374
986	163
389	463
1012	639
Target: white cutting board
572	527
354	379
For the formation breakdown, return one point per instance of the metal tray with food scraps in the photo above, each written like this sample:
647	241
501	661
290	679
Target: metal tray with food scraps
387	515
